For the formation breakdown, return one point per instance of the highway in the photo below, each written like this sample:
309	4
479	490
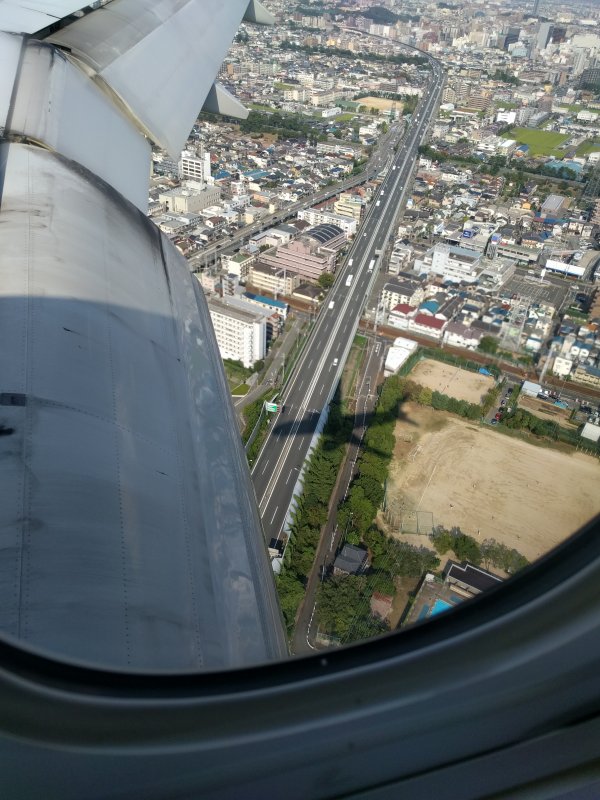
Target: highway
209	255
320	366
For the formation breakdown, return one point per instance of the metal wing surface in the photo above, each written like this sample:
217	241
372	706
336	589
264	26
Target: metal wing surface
129	534
31	16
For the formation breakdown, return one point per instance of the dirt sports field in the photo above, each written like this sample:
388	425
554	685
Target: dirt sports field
489	484
450	380
380	103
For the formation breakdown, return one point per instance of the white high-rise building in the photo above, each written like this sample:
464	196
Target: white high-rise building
453	263
241	336
195	166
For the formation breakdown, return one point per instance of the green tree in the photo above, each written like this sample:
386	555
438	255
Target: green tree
291	591
439	401
488	344
425	397
326	280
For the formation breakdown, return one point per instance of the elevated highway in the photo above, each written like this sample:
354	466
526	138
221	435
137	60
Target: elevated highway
276	470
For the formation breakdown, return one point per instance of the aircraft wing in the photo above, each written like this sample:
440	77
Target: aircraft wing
130	536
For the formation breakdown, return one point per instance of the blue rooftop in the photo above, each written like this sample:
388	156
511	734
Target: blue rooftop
556	165
430	305
268	300
256	173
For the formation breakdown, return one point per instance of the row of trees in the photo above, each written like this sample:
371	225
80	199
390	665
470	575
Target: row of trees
489	552
357	512
252	412
343	607
441	402
312	511
519	419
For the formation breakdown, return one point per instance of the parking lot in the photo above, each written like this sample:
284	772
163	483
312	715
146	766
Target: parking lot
537	291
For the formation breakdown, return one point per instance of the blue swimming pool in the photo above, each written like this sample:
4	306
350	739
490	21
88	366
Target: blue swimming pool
439	606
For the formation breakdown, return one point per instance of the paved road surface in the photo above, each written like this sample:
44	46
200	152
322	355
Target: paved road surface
318	371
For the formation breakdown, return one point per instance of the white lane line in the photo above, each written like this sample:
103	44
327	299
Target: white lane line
275	512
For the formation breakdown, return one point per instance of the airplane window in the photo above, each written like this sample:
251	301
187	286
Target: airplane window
292	445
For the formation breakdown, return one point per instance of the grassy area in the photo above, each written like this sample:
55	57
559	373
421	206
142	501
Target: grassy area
236	373
254	414
260	107
541	143
344	117
282	86
355	361
241	390
589	146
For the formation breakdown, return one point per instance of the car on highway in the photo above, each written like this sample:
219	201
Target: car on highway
336	361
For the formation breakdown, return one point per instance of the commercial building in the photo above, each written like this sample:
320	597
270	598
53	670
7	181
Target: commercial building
239	264
241	336
452	263
310	255
267	304
189	200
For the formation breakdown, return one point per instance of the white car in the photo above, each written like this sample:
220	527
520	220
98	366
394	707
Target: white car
336	361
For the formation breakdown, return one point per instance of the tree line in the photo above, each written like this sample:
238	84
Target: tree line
343	603
489	552
312	511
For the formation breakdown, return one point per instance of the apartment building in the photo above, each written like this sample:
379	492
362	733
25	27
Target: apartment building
397	292
349	205
241	336
273	279
590	376
317	216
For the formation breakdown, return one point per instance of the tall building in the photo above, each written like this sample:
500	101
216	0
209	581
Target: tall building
241	335
544	35
195	166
